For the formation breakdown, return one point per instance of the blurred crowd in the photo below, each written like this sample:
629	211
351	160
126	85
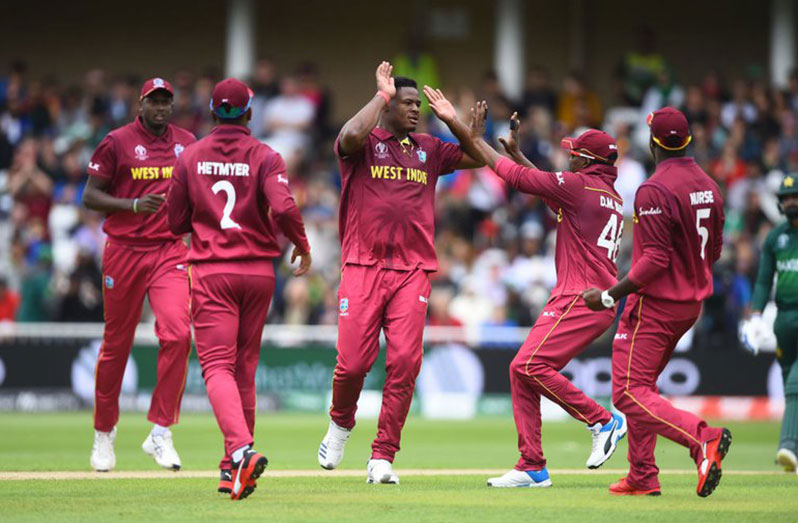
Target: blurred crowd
495	245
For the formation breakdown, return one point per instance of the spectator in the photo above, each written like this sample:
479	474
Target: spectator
739	106
265	86
538	91
82	299
9	301
35	292
578	106
640	68
28	184
288	119
418	63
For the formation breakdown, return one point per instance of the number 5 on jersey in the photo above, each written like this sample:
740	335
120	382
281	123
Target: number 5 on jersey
702	214
227	187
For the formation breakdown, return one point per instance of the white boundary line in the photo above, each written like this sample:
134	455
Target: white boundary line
214	474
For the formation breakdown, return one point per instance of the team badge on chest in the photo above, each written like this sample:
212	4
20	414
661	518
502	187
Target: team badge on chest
422	156
178	149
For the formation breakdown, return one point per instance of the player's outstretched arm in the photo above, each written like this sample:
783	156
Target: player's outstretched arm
623	288
446	112
511	145
285	212
355	132
470	137
96	198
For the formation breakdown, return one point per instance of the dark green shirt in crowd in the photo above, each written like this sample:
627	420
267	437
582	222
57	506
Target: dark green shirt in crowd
779	256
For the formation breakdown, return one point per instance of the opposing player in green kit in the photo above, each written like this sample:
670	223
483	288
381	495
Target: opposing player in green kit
780	257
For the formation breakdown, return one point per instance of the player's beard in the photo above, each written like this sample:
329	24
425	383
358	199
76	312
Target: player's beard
791	213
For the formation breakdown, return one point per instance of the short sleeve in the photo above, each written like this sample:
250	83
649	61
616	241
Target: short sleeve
448	156
563	187
103	161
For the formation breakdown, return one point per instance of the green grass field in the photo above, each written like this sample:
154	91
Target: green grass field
62	442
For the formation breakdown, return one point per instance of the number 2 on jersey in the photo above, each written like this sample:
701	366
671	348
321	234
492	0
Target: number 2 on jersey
702	214
230	192
610	237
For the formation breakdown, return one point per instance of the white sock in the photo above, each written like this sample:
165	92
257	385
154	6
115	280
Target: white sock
158	430
238	455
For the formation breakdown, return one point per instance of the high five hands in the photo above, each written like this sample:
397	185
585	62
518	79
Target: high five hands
510	143
385	82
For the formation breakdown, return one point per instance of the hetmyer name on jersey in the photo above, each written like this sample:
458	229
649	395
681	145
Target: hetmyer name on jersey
223	168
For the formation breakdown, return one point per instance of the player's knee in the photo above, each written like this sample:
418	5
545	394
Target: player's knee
620	399
352	370
176	339
518	367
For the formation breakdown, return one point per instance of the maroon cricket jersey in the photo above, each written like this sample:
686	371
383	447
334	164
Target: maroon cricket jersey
589	221
222	191
678	232
387	213
138	162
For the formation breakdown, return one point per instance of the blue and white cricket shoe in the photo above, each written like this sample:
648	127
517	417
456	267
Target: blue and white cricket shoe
522	478
605	440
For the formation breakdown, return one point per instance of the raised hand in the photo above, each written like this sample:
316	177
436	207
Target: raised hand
510	143
442	107
385	82
479	115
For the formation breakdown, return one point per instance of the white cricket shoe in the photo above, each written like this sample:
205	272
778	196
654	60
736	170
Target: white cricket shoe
522	478
102	453
331	448
162	450
787	459
605	440
381	471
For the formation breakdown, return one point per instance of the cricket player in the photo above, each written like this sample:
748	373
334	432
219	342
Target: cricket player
387	225
678	226
589	225
780	257
129	174
224	189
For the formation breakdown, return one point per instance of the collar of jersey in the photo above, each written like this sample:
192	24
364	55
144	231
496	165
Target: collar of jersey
603	170
382	134
675	161
167	136
227	128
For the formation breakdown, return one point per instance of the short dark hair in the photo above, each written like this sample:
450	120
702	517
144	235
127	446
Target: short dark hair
401	81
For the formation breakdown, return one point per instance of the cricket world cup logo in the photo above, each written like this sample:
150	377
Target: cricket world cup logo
141	152
382	150
343	307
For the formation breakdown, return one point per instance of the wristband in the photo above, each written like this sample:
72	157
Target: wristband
385	96
606	300
135	205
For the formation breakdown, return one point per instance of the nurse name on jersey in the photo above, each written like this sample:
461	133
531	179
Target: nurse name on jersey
223	168
701	198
